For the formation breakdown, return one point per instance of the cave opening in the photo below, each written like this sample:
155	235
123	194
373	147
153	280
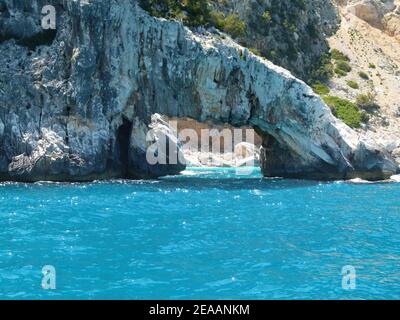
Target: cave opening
122	146
217	144
44	38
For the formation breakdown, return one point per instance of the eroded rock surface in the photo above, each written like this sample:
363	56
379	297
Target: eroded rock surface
71	108
154	150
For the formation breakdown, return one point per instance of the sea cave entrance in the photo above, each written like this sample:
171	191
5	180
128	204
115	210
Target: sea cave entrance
210	144
122	146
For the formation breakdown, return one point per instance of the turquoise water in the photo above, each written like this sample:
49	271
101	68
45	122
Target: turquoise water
206	234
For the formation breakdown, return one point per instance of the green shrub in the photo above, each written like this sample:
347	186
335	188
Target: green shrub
234	26
191	12
343	66
272	55
231	24
312	30
340	72
321	89
367	102
353	84
162	8
345	110
363	75
372	66
217	19
267	17
255	51
323	70
339	56
197	12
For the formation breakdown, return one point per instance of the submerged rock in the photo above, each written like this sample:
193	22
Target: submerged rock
76	106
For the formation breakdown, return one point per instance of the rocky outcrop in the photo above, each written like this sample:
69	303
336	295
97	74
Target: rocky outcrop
154	150
371	11
381	14
72	106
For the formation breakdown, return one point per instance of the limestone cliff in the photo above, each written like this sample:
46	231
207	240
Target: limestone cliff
71	101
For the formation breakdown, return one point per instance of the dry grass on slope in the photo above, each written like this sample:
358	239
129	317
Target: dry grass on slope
375	72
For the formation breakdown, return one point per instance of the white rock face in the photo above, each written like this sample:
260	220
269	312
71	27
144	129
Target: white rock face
111	66
154	150
50	148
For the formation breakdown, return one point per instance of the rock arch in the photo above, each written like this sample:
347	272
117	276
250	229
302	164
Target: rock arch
112	61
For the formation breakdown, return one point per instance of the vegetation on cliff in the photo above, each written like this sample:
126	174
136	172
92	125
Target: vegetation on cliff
346	110
191	12
287	32
195	13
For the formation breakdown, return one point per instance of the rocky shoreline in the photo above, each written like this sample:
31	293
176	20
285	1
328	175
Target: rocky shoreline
76	104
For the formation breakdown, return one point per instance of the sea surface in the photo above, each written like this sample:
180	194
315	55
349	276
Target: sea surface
208	234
